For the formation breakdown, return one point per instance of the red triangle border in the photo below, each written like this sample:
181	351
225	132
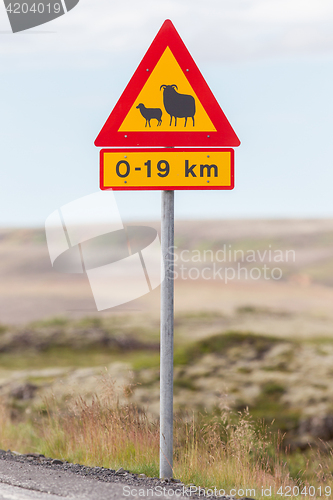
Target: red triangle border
167	37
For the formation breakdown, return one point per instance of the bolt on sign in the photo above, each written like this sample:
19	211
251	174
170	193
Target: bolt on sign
167	104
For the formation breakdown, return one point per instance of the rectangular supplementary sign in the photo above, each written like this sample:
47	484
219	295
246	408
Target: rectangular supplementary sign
162	168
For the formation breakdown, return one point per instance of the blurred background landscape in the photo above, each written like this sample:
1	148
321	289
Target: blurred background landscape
261	344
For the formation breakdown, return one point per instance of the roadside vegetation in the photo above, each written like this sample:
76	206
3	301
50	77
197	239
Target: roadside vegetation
246	405
225	450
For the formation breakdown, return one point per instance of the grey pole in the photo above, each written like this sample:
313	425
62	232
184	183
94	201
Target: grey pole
166	363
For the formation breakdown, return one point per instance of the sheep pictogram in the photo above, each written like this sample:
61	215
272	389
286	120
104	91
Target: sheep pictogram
150	114
178	105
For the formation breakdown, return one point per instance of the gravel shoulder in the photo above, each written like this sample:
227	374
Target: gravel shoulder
54	478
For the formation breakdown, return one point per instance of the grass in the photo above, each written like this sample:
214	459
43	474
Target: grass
61	342
221	342
50	322
66	357
203	316
62	348
250	309
226	450
268	406
272	388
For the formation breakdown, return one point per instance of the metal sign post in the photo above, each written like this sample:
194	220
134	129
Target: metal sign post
166	361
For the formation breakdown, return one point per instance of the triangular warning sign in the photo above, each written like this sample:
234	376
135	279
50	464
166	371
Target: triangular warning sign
167	102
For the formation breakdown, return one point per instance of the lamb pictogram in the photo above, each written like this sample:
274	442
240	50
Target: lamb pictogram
150	114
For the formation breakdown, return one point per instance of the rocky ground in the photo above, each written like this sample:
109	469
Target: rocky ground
276	378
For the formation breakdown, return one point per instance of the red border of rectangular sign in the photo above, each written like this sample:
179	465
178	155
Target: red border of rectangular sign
171	150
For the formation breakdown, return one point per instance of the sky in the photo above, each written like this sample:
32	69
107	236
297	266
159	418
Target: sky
269	63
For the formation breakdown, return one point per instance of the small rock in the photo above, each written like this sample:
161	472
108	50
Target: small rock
56	461
2	452
320	427
34	455
24	392
142	476
120	472
174	480
14	453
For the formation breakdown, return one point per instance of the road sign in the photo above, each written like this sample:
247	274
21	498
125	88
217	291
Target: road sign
167	102
166	169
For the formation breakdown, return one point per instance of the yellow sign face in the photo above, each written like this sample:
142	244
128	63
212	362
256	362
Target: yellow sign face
150	110
167	169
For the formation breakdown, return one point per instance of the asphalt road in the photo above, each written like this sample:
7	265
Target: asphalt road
20	480
27	481
8	492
